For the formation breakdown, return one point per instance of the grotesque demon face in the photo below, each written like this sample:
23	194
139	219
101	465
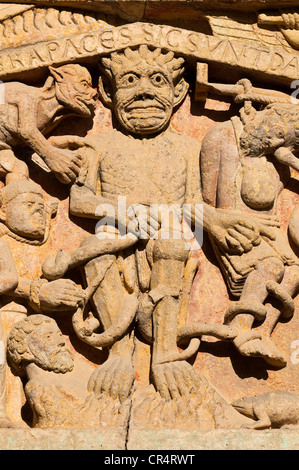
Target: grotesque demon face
145	87
74	89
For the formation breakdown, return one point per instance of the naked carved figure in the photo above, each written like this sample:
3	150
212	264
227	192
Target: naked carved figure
262	149
148	163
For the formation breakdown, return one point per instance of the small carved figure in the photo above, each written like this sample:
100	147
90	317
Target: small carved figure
56	379
255	156
36	345
270	410
23	216
30	113
147	162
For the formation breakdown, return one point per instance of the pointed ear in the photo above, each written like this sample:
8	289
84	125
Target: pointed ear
180	91
56	73
105	91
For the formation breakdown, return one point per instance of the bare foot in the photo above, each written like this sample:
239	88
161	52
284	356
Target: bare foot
115	377
175	379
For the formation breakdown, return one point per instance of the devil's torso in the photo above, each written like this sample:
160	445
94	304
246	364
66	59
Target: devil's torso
145	171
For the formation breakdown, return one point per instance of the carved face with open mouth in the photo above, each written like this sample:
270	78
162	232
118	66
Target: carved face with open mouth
84	97
74	89
143	87
144	98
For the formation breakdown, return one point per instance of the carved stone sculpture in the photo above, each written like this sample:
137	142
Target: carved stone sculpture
36	344
24	217
143	87
274	409
255	181
30	113
149	264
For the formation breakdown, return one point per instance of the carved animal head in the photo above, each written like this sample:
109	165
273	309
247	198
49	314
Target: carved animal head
142	86
73	88
244	406
37	339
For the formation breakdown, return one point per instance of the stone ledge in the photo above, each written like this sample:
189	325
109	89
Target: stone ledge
220	439
62	439
149	439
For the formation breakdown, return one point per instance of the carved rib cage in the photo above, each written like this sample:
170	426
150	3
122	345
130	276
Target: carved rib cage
42	24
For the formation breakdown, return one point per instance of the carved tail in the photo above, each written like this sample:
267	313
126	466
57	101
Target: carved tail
280	293
84	329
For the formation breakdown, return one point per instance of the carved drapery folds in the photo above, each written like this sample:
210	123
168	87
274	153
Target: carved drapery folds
149	222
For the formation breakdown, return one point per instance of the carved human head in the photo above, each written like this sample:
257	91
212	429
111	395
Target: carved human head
276	126
22	208
73	89
143	86
37	339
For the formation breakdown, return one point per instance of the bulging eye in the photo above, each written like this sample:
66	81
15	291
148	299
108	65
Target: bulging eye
129	79
158	79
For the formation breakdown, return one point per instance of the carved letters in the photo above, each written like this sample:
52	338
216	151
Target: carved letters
273	61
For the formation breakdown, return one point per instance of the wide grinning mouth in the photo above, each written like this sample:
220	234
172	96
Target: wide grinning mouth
153	112
146	112
144	106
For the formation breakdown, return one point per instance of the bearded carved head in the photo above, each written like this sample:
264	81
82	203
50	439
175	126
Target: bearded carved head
37	339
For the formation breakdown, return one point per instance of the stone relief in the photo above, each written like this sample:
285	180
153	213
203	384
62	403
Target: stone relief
255	181
29	113
130	221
